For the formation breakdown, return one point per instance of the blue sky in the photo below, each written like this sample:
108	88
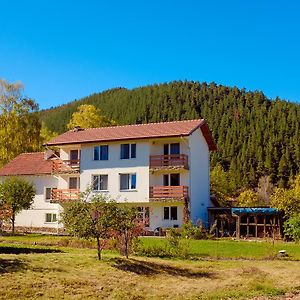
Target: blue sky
64	50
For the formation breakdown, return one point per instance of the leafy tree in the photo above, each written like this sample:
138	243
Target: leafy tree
16	194
88	116
19	122
90	219
46	134
248	198
288	200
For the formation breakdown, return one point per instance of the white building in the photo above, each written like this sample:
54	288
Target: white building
162	168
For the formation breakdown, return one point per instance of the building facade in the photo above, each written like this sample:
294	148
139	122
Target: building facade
161	168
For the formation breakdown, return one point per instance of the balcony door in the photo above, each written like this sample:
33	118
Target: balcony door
171	179
74	183
74	155
173	148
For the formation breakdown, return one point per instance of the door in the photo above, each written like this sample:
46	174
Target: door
73	183
74	155
171	179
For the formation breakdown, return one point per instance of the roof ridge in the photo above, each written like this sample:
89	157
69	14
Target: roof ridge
145	124
40	152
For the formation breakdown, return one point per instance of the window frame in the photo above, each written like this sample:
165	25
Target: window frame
52	218
131	152
99	182
100	157
130	176
167	210
45	194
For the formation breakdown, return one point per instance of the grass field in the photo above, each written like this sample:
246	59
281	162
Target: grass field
43	268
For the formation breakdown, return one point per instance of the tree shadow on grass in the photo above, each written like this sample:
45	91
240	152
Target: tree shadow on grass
11	265
26	250
150	268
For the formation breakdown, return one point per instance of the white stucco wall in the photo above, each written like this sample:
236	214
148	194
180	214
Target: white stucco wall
36	215
115	166
199	177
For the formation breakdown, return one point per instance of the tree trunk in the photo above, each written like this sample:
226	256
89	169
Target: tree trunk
126	244
13	223
98	248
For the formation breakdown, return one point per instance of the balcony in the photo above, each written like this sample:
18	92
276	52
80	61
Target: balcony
64	195
168	193
169	162
65	166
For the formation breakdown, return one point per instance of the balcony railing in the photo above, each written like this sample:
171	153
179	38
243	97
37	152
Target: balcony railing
66	166
169	161
158	193
64	195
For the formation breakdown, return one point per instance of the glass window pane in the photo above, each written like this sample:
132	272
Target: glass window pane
124	151
104	152
166	179
173	212
133	181
133	150
73	183
166	213
175	148
96	153
54	218
175	179
166	149
95	183
103	182
48	217
73	154
124	181
48	193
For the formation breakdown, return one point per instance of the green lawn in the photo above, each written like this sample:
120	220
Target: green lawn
31	270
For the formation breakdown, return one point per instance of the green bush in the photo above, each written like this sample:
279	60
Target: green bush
292	227
191	231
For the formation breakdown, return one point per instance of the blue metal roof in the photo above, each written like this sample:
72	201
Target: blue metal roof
254	210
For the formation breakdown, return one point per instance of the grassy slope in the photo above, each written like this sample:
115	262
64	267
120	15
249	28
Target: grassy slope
76	274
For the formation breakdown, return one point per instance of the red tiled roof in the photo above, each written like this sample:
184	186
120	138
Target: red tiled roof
139	131
27	164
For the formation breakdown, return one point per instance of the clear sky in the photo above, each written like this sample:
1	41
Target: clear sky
63	50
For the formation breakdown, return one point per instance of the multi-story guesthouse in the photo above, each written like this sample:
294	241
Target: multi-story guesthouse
162	168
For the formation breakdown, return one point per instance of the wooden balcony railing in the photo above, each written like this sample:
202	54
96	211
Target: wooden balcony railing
168	192
169	161
66	166
64	195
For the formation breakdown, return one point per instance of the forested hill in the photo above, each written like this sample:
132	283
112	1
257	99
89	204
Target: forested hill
255	136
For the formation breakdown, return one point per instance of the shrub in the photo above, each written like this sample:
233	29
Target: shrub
292	227
191	231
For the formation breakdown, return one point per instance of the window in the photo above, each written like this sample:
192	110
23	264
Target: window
170	213
101	152
74	155
144	215
51	218
73	183
127	181
128	151
100	182
48	192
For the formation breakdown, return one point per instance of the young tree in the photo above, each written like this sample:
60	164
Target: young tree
16	194
90	219
19	122
88	116
265	189
248	198
127	226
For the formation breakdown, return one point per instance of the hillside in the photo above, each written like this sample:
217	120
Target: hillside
255	136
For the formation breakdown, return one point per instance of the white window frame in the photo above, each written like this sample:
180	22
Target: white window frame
106	190
130	150
129	183
99	147
51	222
169	207
45	194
